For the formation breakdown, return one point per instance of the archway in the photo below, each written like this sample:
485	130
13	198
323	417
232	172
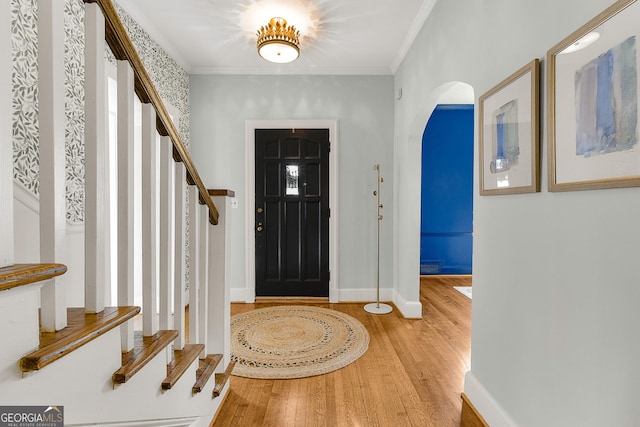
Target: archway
408	185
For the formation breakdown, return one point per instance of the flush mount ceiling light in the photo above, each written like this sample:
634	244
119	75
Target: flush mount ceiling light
278	42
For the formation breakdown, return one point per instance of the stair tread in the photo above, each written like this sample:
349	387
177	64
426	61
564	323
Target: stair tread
81	328
207	368
221	379
182	359
23	274
144	350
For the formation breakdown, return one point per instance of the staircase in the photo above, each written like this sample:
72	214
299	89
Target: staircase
94	360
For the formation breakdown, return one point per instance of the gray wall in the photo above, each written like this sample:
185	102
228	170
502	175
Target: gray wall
363	107
555	315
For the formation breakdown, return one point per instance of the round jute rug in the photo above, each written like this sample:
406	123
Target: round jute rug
294	342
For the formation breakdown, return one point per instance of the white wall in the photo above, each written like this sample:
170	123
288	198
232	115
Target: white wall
363	107
27	245
554	340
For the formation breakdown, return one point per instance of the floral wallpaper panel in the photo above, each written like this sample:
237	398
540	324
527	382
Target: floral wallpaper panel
171	81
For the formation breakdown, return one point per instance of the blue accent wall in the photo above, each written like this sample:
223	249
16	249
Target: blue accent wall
447	191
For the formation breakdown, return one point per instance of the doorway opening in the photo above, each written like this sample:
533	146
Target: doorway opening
292	212
250	187
446	225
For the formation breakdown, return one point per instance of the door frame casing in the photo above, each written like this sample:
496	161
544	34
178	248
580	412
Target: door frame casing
250	211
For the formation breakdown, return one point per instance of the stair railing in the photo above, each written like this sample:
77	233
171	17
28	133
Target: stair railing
167	171
167	175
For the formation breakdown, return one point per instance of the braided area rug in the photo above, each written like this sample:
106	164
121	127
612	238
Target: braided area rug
294	342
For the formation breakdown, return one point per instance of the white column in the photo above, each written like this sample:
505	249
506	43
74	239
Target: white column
194	265
179	272
95	131
6	139
126	193
219	336
51	101
150	250
203	275
167	235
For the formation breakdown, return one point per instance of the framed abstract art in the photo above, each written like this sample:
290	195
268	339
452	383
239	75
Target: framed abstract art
509	134
593	103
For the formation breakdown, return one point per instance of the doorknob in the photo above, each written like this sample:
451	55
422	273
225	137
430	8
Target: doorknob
259	229
260	210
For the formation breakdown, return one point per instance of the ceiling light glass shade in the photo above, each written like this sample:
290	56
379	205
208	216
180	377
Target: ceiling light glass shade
278	42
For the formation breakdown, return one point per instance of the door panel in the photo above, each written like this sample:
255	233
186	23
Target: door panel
292	212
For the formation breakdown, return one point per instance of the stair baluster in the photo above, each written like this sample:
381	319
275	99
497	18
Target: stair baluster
95	131
203	277
180	268
149	219
195	243
51	101
128	240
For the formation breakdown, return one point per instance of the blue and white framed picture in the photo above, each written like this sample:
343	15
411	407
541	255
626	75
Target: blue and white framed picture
593	103
509	134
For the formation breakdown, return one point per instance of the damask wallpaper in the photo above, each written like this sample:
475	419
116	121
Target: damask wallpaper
171	81
74	107
24	45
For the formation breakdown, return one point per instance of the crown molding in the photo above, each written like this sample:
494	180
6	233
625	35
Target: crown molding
292	70
418	23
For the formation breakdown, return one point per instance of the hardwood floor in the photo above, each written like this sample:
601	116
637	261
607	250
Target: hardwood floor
411	375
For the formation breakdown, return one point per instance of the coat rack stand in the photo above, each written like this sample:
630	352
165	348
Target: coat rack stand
378	307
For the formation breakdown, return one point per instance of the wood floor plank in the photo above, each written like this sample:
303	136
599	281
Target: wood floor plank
411	375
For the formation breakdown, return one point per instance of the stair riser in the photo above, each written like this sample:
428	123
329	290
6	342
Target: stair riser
81	382
20	331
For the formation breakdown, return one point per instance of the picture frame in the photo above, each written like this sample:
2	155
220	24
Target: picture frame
509	134
592	97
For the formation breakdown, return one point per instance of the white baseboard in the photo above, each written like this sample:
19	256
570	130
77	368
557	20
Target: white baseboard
364	295
32	202
409	309
485	404
178	422
26	197
242	295
336	295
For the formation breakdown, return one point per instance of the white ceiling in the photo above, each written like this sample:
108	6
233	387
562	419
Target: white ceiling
337	36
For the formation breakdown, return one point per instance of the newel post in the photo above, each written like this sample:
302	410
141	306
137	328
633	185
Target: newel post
219	338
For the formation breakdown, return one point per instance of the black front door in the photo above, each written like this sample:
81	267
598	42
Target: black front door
292	212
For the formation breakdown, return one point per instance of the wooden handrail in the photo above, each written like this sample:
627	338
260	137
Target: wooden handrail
118	40
221	192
